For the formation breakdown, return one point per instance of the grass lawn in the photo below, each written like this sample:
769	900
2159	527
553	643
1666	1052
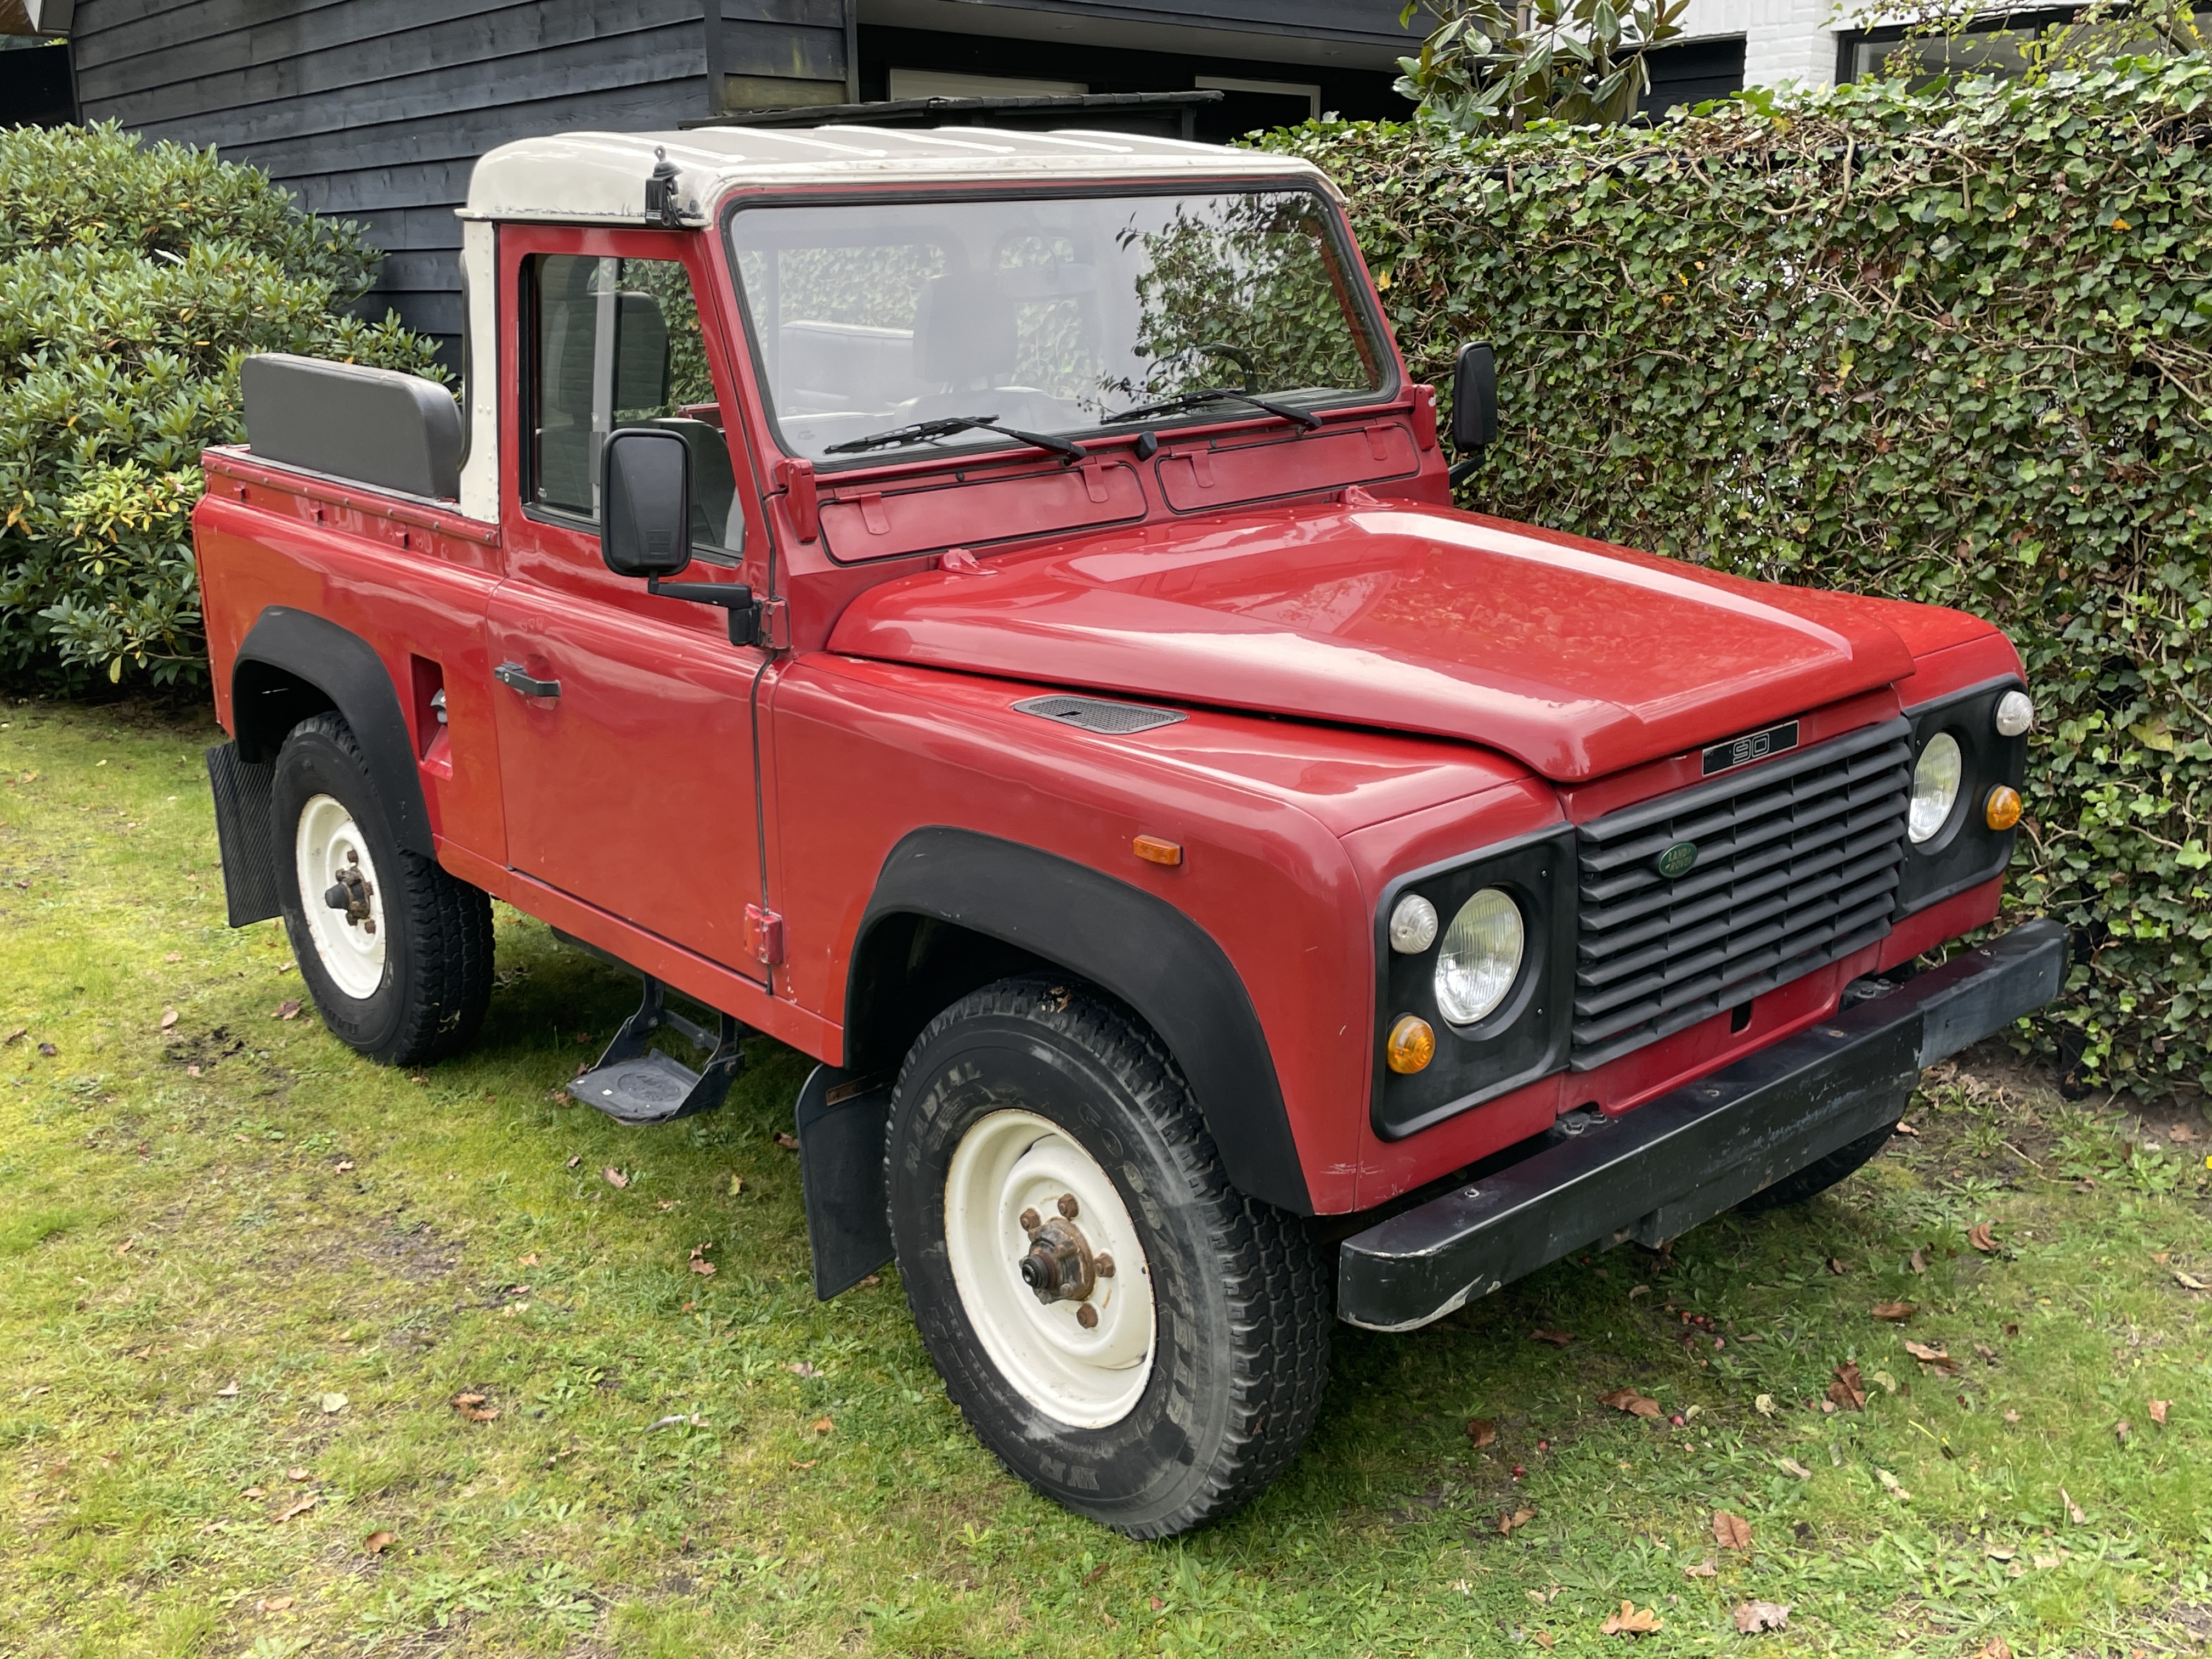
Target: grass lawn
244	1275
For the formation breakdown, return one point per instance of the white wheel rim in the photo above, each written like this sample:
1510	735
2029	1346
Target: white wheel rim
1012	1161
328	847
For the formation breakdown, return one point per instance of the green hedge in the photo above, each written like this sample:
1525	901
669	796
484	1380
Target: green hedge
133	279
1954	347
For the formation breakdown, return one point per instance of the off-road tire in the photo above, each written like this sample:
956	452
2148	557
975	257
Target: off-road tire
437	971
1241	1299
1820	1175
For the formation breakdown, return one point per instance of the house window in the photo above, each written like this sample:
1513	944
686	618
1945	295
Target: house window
1991	46
950	83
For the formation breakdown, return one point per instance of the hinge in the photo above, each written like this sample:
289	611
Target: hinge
797	478
773	632
764	935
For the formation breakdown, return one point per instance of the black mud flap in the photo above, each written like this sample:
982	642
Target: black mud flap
245	839
842	1122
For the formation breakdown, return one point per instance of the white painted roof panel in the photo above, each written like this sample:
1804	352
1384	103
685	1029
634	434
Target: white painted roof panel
599	177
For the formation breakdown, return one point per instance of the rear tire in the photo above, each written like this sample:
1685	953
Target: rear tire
1820	1175
402	973
1199	1375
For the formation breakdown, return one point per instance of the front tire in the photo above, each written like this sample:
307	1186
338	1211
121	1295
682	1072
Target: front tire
396	954
1039	1115
1819	1176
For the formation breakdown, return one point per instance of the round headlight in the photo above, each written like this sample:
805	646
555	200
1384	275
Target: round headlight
2015	713
1935	787
1412	925
1480	957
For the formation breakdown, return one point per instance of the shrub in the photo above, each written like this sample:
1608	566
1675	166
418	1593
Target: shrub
1954	346
133	280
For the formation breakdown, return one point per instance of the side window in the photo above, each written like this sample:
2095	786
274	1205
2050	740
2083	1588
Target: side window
616	342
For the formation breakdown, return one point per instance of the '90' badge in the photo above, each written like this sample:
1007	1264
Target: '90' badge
1677	861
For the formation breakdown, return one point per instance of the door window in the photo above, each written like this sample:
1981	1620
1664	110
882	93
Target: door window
616	343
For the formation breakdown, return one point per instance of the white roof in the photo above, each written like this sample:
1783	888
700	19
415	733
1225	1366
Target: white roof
600	176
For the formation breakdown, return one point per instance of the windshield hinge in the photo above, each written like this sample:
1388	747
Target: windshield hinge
773	627
1094	476
797	478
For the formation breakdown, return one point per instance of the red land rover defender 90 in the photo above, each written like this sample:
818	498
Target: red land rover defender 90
1228	888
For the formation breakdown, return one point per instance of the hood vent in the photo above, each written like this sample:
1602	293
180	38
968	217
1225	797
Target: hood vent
1097	714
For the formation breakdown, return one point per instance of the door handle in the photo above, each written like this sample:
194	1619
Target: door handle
515	675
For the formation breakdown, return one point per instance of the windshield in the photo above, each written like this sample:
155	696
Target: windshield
1047	316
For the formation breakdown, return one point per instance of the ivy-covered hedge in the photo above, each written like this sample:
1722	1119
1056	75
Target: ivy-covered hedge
1954	347
133	279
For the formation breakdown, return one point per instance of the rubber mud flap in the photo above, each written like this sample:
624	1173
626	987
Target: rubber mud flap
244	837
841	1122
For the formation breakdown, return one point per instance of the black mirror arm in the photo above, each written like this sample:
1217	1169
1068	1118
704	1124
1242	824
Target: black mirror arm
1463	468
736	598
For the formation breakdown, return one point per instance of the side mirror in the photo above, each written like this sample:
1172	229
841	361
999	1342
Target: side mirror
1475	398
645	502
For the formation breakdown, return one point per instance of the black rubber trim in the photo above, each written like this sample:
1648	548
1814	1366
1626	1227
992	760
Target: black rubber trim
1683	1158
1139	948
244	837
1965	852
352	678
840	1120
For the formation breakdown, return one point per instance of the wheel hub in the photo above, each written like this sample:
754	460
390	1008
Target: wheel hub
1059	1265
350	892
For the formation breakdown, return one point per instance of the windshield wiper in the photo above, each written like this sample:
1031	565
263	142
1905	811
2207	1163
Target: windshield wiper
922	431
1183	400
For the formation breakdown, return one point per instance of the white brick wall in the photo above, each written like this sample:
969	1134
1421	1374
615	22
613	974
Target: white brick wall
1783	39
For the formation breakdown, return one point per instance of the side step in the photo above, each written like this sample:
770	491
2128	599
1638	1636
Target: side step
635	1083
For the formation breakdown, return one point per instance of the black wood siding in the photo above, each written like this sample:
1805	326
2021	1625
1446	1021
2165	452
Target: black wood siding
375	109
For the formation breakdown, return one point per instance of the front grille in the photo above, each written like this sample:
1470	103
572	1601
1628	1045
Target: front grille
1797	865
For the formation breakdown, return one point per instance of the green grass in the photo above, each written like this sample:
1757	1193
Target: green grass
297	1225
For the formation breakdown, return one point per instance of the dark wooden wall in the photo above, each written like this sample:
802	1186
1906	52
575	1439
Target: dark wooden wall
375	109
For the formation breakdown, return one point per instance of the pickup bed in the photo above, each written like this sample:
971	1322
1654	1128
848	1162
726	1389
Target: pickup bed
988	611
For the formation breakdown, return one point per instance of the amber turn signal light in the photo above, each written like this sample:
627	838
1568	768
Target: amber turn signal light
1153	850
1412	1044
2002	810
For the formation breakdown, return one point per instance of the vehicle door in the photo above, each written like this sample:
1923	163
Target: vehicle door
625	719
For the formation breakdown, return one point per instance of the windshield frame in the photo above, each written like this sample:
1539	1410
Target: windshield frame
1358	285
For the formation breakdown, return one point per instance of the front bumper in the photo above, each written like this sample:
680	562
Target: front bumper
1659	1170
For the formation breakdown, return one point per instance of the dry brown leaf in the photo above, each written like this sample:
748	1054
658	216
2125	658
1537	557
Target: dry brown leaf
377	1542
343	1166
1979	1236
2121	1429
287	1009
1891	1484
296	1475
16	1036
1627	1399
2158	1411
126	1247
1751	1617
1918	1262
1902	1128
168	1019
1894	1310
229	1391
480	1414
1557	1339
820	1425
2181	1132
574	1162
1702	1569
1837	1265
49	1051
1791	1465
1848	1390
700	1266
253	1492
789	1143
465	1400
529	1261
667	1203
1931	1355
1482	1431
2072	1510
1632	1621
1506	1524
1543	1638
802	1368
1995	1648
2012	1416
272	1604
2187	1281
299	1507
1731	1532
614	1177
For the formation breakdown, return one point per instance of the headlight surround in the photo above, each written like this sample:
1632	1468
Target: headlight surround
1936	779
1965	849
1480	957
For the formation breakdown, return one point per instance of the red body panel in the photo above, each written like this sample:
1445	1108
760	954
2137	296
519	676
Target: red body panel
1453	682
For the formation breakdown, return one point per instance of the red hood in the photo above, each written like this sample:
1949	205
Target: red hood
1575	658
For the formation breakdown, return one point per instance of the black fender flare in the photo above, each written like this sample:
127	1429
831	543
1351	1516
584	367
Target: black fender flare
1131	943
310	650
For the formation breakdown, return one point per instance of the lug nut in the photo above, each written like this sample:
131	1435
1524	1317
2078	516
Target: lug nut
1068	1205
1102	1265
1031	1222
1087	1317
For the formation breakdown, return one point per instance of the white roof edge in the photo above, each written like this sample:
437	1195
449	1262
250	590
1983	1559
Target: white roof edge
599	177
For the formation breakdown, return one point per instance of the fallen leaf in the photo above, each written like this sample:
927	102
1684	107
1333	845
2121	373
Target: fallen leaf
2000	1552
1640	1290
16	1036
229	1391
1918	1260
1931	1355
1627	1399
2072	1510
1751	1617
1791	1465
614	1177
1837	1265
1904	1129
253	1492
2188	1281
480	1414
2181	1132
191	1071
301	1507
1848	1390
1482	1431
2012	1416
699	1266
1890	1483
1979	1236
1731	1532
1995	1648
1764	1405
49	1051
1543	1638
171	955
287	1009
737	1185
377	1542
802	1368
296	1475
2121	1429
168	1019
1985	1353
574	1162
871	1282
2044	1563
272	1604
1557	1339
789	1143
126	1247
333	1403
1894	1309
1702	1569
468	1399
529	1261
2161	1256
667	1203
820	1425
2158	1411
1506	1524
1632	1620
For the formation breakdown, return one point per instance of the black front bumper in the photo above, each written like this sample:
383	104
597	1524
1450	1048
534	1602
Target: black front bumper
1659	1170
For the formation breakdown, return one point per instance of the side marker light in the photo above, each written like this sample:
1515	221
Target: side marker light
1153	850
1412	1044
2002	810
